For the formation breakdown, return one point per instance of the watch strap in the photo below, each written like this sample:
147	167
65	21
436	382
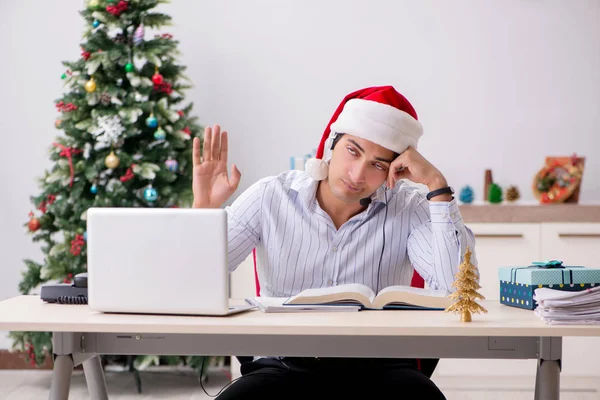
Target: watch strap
440	191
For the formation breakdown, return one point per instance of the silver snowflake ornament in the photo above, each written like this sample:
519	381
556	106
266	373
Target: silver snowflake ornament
108	130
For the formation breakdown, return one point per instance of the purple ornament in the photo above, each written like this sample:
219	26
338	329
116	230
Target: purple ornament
138	35
172	165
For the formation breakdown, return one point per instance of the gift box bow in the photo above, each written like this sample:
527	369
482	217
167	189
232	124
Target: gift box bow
547	264
551	264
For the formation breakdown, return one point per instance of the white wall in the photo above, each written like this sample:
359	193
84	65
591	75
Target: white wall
496	85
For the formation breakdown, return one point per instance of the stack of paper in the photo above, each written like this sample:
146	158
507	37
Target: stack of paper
559	307
275	304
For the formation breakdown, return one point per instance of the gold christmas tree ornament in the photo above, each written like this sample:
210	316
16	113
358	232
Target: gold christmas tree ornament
466	284
111	161
90	86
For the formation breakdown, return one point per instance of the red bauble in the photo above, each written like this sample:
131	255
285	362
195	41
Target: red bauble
157	79
34	224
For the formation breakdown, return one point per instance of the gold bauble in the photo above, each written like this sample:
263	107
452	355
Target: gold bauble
90	85
111	161
93	4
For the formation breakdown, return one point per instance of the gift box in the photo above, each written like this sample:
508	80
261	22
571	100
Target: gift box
517	284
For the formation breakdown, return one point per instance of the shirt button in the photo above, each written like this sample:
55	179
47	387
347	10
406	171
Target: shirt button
444	215
335	249
329	282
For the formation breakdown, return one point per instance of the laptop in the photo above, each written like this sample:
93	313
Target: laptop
158	261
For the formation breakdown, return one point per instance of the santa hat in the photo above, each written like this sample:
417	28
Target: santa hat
379	114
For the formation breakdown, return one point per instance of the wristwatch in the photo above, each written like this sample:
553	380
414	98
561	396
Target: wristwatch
437	192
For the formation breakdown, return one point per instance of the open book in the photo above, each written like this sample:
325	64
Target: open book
392	297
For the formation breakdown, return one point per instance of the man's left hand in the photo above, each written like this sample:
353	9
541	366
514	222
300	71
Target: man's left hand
413	166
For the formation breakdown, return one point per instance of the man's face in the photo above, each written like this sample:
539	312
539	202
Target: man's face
357	168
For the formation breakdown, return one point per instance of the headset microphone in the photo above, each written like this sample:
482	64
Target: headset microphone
367	200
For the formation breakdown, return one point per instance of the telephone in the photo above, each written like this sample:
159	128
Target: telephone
67	293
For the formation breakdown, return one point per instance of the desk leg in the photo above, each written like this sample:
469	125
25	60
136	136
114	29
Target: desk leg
547	380
94	376
61	377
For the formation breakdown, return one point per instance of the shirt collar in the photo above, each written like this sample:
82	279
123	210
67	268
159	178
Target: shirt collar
380	196
306	187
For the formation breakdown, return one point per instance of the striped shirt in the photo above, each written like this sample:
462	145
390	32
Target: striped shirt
298	246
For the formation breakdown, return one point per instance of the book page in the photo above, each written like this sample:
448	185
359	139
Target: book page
410	289
406	295
351	293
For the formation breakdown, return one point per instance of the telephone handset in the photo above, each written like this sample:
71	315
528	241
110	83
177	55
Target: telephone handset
67	293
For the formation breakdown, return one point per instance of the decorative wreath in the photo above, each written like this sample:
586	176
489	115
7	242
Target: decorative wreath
558	179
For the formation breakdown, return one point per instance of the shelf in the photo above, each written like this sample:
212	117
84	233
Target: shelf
530	213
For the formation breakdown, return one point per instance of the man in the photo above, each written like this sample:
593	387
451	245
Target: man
349	218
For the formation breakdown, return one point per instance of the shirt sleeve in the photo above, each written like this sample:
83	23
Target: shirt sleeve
243	224
438	241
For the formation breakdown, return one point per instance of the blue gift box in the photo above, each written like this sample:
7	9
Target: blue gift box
517	284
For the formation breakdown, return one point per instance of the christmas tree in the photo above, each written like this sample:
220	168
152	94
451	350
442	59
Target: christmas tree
466	285
125	142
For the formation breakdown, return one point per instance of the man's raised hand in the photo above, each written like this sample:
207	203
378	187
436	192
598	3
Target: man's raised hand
210	183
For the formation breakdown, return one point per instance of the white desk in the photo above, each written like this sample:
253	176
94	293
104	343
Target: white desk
80	335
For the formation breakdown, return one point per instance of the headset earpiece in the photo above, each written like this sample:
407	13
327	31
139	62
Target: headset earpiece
336	139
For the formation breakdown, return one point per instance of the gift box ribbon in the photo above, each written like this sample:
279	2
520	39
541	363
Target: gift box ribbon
552	264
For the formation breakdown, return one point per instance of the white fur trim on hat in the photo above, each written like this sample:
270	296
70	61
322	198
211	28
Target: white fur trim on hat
316	168
379	123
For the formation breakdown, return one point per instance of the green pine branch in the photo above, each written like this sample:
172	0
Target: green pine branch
160	46
31	276
157	20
